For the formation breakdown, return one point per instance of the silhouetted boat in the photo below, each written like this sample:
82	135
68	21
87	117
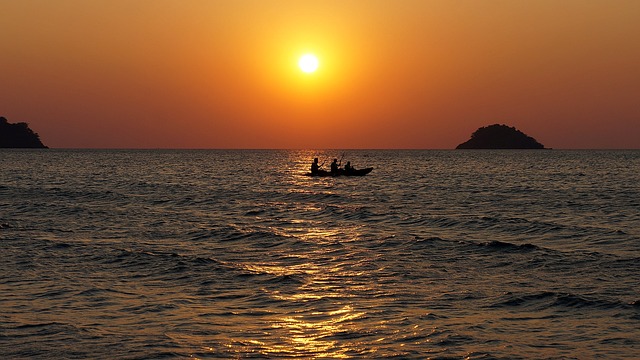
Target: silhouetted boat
355	172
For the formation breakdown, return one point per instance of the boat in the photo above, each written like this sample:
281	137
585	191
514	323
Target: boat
354	172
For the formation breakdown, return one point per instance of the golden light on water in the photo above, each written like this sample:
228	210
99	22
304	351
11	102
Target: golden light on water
309	298
309	333
310	329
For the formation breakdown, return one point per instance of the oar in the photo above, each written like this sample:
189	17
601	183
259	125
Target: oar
325	160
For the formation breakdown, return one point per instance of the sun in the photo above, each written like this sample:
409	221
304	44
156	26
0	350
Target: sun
308	63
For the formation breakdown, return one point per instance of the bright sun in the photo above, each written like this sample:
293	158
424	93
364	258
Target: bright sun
308	63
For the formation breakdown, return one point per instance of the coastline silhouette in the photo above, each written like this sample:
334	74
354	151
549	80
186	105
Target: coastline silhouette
498	136
18	135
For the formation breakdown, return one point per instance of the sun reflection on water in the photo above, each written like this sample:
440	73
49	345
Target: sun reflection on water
318	318
314	335
313	287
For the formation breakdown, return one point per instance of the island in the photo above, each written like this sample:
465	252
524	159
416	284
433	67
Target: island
18	135
500	137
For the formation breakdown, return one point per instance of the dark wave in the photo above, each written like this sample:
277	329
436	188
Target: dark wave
169	260
556	300
231	234
509	247
43	326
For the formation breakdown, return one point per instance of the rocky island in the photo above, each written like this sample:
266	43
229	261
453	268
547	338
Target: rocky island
500	137
18	135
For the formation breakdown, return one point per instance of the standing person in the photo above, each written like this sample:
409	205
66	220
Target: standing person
314	166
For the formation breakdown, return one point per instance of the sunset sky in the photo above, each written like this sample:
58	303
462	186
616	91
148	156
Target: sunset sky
392	74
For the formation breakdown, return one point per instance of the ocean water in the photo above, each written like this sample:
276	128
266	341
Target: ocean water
235	254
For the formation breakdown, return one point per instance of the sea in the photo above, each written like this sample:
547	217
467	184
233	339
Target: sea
236	254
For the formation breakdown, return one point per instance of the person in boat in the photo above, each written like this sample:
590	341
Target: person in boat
335	168
348	168
314	166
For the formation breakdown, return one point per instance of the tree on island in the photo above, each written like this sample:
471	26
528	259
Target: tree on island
500	137
18	135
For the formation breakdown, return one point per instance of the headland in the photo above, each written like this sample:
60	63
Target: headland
18	135
498	136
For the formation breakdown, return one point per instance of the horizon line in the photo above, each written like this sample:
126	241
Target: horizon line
307	149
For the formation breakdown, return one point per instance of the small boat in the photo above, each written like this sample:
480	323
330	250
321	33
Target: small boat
354	172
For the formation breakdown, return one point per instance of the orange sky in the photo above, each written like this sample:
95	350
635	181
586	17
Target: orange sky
393	74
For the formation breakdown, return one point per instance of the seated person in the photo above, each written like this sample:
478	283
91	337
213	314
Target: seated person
348	168
314	166
334	167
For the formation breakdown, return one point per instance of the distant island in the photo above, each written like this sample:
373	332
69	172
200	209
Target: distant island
500	137
18	135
